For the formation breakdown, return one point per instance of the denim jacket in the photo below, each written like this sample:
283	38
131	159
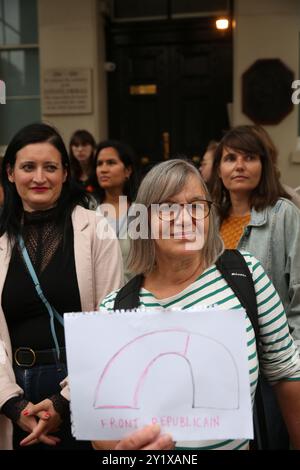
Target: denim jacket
273	237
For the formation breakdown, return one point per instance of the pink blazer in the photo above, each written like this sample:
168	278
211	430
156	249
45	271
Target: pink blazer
99	270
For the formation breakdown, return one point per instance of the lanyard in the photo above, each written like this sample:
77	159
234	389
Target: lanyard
51	310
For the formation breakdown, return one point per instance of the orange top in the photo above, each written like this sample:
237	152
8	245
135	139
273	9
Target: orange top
232	229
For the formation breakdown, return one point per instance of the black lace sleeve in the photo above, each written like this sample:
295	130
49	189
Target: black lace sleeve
14	407
61	405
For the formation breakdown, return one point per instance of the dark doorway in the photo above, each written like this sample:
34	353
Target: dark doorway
171	86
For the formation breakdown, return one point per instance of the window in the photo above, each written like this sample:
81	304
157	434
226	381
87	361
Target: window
19	66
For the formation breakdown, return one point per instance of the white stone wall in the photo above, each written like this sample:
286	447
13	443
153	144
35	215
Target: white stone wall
269	29
71	34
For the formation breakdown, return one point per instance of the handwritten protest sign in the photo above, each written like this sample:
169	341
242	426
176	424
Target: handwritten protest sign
186	370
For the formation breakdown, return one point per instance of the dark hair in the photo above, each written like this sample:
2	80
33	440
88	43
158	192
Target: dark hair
82	137
128	158
211	147
249	139
71	194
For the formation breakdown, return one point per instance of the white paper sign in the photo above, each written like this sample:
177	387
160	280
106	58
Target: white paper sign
186	370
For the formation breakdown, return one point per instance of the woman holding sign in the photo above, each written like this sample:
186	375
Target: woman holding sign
178	268
180	271
53	260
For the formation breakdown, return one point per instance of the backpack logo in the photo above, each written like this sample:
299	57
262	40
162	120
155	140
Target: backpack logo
238	274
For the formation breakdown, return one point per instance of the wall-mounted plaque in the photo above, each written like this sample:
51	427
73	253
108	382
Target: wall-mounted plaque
266	91
67	91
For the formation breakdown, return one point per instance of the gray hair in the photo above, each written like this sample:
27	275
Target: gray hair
162	182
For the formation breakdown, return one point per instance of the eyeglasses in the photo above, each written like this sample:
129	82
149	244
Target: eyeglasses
169	211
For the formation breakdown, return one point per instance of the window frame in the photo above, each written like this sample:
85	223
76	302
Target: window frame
9	98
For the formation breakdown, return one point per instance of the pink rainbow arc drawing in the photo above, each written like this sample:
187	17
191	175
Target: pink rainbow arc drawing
148	349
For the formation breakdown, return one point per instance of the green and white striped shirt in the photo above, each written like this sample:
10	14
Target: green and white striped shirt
280	358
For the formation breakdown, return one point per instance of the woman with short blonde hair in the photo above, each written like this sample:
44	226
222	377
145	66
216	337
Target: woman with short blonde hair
179	271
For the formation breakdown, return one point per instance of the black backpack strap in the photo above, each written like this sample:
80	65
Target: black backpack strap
232	265
128	296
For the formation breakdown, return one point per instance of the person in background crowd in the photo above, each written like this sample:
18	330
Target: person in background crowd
263	134
207	162
116	176
180	272
81	150
44	231
256	215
